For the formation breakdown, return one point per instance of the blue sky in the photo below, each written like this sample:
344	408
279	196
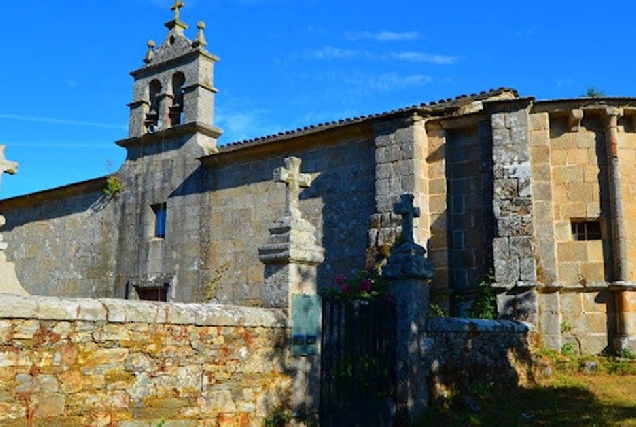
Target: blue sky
285	64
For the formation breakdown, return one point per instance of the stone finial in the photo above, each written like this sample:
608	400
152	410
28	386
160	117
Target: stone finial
405	208
6	166
290	175
200	39
150	55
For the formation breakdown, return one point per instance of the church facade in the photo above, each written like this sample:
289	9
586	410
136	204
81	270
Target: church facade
538	198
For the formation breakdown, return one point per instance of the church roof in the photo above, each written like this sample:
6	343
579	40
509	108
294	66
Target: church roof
433	108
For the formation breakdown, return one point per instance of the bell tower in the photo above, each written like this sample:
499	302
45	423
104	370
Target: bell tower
175	86
171	126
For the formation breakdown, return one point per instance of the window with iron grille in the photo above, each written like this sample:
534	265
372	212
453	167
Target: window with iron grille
586	230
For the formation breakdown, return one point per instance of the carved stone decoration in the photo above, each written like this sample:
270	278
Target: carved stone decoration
9	283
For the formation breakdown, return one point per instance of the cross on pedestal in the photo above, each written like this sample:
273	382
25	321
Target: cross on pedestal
6	166
290	175
405	208
177	6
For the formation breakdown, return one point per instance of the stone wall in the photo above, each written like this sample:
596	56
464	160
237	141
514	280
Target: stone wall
242	201
462	353
579	191
64	242
101	362
468	201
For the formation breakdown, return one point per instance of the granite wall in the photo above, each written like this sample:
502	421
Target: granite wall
463	353
241	201
63	242
113	362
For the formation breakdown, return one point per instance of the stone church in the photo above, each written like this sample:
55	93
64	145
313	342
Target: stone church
539	194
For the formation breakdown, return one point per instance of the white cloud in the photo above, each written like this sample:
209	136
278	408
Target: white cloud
384	82
330	52
383	36
53	121
58	144
424	57
242	125
72	84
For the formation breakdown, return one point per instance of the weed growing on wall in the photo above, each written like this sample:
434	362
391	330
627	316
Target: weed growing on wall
485	304
207	291
113	187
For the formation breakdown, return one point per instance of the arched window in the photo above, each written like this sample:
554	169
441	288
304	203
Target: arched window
152	118
176	111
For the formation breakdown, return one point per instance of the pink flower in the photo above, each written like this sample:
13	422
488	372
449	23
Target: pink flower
370	268
341	279
345	287
365	286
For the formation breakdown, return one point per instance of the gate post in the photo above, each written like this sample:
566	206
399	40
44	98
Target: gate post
409	272
291	256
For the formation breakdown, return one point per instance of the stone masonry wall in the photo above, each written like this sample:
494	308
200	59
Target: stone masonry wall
461	353
242	201
114	362
579	191
65	245
468	200
513	242
153	174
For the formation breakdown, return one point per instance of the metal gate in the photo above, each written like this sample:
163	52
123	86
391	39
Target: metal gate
358	363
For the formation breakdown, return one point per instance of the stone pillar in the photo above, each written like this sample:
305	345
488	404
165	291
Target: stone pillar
9	283
513	242
622	287
291	256
409	273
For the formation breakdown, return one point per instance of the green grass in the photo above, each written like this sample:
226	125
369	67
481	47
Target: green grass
565	400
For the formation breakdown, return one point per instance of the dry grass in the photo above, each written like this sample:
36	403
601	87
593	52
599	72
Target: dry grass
565	400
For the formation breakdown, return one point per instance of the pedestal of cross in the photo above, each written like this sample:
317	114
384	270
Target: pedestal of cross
291	257
9	283
409	272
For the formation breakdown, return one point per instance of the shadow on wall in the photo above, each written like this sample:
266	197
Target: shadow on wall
465	355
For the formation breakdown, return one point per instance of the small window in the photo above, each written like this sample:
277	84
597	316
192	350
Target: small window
160	211
586	230
155	293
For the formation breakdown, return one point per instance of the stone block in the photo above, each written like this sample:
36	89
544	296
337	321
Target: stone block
568	273
575	251
592	272
48	405
539	122
572	210
541	172
584	139
567	174
18	306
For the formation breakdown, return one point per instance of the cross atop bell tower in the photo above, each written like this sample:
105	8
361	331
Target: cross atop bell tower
176	24
175	86
178	4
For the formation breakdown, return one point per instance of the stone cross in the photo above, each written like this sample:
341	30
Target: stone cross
405	208
6	166
290	175
177	6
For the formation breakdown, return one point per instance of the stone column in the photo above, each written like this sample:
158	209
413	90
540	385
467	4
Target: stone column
409	272
622	287
513	242
9	283
291	256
